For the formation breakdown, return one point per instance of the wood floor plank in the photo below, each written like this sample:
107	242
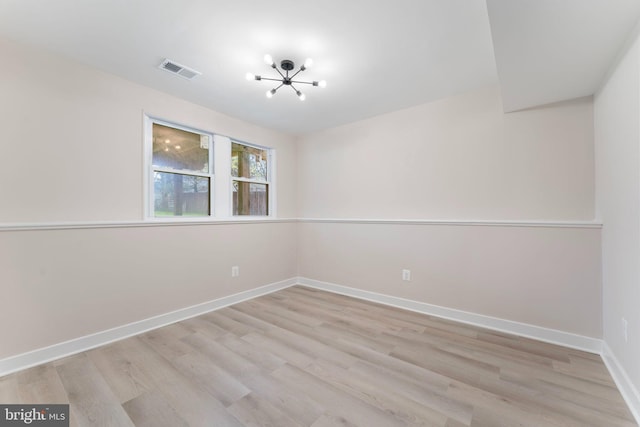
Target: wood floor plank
611	407
41	384
232	362
299	406
582	368
203	326
237	315
336	402
263	357
570	382
90	397
296	316
451	422
253	411
124	378
305	357
191	401
363	318
450	365
229	324
518	343
456	343
384	398
9	392
363	338
308	345
282	350
216	381
424	394
151	410
491	409
167	341
332	421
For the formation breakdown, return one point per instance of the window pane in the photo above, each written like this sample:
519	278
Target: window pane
180	195
248	162
250	198
179	149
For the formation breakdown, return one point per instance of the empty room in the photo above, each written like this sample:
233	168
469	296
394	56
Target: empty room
335	213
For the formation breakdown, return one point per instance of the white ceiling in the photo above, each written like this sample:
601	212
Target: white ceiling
376	56
551	50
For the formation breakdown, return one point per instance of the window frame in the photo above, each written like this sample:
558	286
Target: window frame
220	179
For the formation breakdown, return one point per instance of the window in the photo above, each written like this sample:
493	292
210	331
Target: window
182	175
180	180
249	171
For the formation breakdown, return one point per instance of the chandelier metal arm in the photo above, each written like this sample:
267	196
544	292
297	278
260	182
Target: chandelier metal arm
301	82
298	72
279	72
273	80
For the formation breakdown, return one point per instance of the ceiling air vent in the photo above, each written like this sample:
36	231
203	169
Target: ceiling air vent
180	70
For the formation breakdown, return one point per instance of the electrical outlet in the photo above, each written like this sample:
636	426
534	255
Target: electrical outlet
625	329
406	275
235	271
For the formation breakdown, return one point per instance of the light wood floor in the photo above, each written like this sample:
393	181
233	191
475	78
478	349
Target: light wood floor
302	357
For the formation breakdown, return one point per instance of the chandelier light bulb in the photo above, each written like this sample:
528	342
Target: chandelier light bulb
270	93
322	83
250	76
308	63
301	95
269	60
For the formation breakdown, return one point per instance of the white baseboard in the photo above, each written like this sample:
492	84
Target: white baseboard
77	345
553	336
627	389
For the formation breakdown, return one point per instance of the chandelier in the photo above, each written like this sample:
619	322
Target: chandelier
286	79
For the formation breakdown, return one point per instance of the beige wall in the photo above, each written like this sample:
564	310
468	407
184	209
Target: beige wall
72	140
63	284
459	158
617	130
542	276
72	144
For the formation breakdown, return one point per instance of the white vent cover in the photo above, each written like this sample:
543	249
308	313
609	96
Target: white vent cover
180	70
